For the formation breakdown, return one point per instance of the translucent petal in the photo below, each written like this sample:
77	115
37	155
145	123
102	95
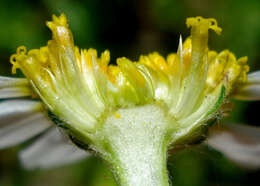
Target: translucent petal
14	87
10	82
20	120
254	77
248	93
250	90
51	150
240	143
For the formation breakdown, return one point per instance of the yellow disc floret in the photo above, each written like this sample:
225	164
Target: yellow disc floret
81	87
224	67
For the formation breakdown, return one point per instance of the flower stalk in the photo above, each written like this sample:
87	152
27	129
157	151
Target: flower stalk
137	148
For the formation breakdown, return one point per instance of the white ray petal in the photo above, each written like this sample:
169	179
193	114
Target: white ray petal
14	92
52	149
251	90
14	87
21	120
240	143
9	82
254	77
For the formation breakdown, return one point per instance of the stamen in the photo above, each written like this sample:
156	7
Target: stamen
21	50
14	63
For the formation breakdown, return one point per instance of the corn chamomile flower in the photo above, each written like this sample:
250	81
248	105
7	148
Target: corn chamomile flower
131	113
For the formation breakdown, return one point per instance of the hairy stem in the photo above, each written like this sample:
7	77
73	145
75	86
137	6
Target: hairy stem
134	142
144	165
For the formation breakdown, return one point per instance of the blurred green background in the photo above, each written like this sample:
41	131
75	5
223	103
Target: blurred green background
130	28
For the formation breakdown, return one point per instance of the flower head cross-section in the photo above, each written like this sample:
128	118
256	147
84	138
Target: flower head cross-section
81	88
133	112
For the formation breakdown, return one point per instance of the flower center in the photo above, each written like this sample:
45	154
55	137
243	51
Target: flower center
81	88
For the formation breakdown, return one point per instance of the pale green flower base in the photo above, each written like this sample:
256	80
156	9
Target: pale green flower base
135	145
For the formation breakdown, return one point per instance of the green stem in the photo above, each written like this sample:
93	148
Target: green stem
144	165
135	145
